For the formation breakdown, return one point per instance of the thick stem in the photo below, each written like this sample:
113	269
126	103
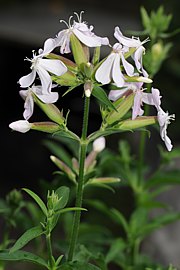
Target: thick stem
79	194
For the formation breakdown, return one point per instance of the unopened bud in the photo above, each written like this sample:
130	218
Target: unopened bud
88	86
139	122
48	127
99	144
157	50
137	79
22	126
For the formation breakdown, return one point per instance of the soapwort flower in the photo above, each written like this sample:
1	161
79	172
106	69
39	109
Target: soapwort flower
133	42
81	30
110	68
27	95
42	67
164	120
22	126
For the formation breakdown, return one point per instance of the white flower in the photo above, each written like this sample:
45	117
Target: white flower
42	67
110	68
27	95
99	144
21	126
164	120
133	43
81	30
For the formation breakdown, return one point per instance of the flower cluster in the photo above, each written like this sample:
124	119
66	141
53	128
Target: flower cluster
123	68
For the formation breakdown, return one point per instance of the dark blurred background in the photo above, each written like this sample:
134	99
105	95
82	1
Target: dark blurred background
24	26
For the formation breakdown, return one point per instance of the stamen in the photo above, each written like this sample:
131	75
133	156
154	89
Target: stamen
63	21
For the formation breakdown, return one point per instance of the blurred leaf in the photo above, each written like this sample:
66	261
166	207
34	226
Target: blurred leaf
26	238
22	256
116	248
78	266
163	178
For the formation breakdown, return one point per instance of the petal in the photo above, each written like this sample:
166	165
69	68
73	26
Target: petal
103	73
116	72
116	94
54	66
23	93
156	97
128	42
21	126
48	98
29	107
27	80
49	45
138	57
45	79
137	105
147	98
127	66
90	41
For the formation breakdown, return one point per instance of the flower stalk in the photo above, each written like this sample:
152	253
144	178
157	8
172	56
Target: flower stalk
79	194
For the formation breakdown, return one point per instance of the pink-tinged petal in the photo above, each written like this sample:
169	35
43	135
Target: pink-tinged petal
128	42
21	126
90	41
54	66
148	98
99	144
45	79
103	73
63	40
116	94
137	105
156	97
27	80
49	45
28	107
127	66
23	93
117	75
138	57
48	98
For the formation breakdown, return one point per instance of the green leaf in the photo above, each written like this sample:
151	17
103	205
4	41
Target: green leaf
38	200
27	237
67	134
115	250
120	219
63	194
163	178
69	209
22	256
145	18
99	93
78	266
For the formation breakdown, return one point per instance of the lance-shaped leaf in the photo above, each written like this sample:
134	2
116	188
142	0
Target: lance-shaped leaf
37	200
20	255
101	95
123	107
50	110
27	237
79	53
62	166
139	122
78	266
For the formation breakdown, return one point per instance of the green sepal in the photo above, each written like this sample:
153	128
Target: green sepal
79	53
139	122
67	79
48	127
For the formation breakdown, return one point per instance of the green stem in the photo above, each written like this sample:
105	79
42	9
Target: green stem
49	249
79	194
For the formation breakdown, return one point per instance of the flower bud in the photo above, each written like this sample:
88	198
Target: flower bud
139	122
157	51
138	79
48	127
99	144
50	110
104	180
21	126
88	86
